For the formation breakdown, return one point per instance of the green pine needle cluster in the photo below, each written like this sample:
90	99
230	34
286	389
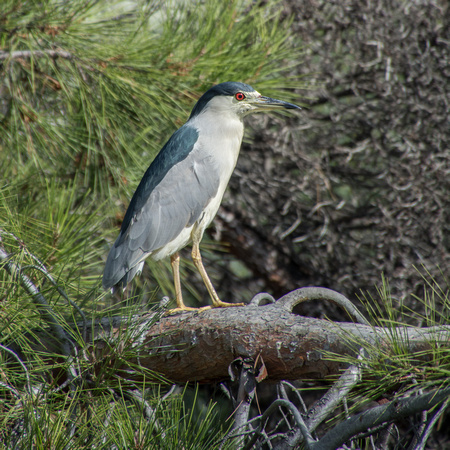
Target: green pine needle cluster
391	369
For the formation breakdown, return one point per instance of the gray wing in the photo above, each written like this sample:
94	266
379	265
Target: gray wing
175	203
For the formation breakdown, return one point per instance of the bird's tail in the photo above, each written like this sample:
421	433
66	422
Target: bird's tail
121	266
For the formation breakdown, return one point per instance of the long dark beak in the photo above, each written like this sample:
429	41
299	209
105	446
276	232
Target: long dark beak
267	104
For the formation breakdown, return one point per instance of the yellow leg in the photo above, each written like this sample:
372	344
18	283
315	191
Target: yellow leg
175	261
197	258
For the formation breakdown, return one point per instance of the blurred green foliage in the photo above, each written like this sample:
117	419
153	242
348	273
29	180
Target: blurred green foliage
89	92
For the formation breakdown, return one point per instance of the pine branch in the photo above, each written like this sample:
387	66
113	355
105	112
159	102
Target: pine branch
43	306
199	346
390	412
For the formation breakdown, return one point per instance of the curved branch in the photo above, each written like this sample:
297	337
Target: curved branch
319	293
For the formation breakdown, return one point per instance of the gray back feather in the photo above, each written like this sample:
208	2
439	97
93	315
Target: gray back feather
176	202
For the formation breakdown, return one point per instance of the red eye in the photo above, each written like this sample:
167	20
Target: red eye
239	96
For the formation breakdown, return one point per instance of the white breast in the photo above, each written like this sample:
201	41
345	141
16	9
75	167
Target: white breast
220	137
219	142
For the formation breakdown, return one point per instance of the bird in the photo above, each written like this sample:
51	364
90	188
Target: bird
181	191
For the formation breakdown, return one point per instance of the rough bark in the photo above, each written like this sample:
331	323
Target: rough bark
199	346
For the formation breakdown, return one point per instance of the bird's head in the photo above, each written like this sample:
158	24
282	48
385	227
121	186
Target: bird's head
237	99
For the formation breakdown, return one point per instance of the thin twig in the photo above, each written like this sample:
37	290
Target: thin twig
27	54
309	440
429	428
171	391
24	367
371	431
11	389
296	392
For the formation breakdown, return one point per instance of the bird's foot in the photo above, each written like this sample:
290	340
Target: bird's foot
181	309
187	308
220	304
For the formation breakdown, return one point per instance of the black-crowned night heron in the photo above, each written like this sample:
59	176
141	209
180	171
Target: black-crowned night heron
181	191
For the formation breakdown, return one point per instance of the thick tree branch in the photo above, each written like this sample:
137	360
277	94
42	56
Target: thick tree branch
199	346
